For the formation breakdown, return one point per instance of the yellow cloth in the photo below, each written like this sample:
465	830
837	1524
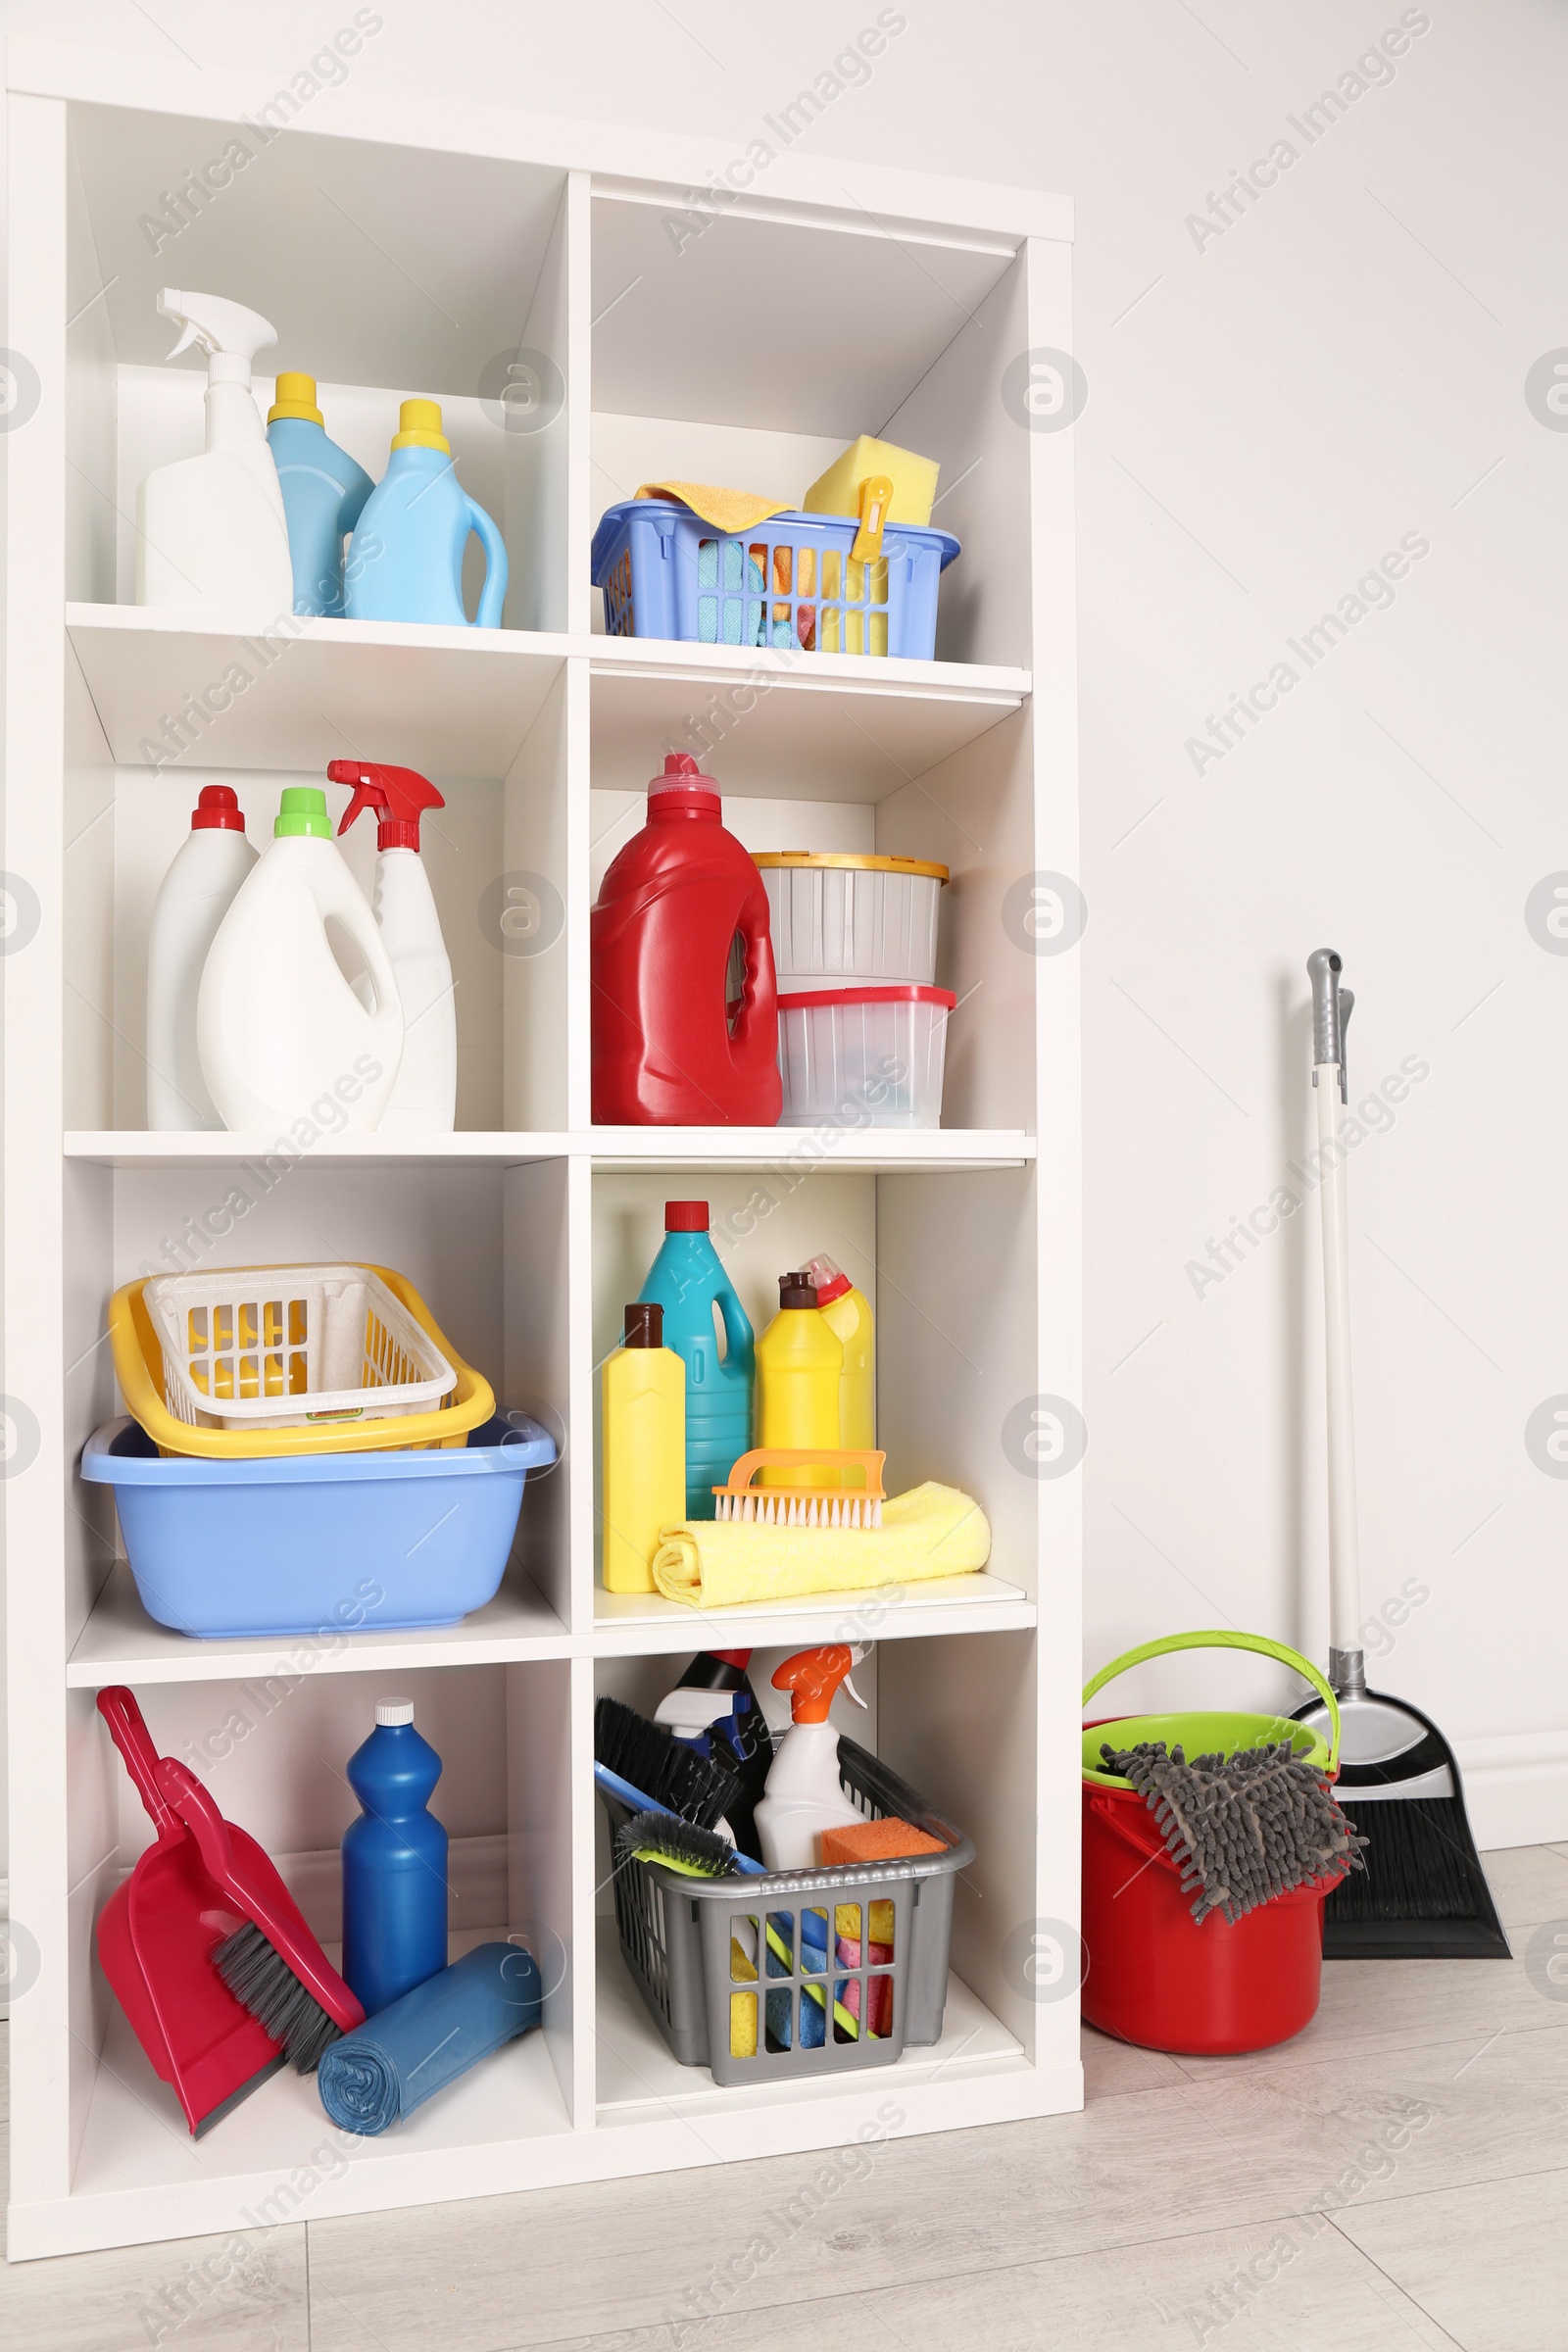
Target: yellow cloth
717	1563
725	509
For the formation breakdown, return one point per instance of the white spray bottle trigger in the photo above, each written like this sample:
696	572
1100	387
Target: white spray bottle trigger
227	333
849	1684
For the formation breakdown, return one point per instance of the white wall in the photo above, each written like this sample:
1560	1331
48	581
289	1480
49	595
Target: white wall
1269	413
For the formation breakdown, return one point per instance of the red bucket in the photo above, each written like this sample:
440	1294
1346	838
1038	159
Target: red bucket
1154	1976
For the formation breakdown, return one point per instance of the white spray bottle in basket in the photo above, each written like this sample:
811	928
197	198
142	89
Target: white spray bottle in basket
804	1796
424	1099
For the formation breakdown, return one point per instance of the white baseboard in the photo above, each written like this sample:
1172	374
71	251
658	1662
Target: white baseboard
476	1882
1516	1789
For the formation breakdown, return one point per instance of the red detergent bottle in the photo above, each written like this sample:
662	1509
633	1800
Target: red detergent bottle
670	1049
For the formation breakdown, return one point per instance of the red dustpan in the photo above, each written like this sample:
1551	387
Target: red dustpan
157	1934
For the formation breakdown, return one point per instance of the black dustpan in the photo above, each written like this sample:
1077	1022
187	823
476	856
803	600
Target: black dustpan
1423	1895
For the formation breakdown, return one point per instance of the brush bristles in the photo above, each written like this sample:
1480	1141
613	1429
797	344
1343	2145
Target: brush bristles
1416	1867
700	1789
263	1983
770	1506
655	1837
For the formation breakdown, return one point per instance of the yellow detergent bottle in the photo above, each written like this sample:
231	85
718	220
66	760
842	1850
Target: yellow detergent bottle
644	1445
800	1363
846	1312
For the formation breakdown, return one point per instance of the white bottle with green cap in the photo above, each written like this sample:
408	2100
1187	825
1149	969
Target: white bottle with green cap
299	1023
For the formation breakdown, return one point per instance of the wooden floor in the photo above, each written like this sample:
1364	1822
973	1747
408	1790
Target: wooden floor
1396	2176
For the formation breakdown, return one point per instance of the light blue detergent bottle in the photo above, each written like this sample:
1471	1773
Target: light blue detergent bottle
323	493
394	1864
687	1280
406	558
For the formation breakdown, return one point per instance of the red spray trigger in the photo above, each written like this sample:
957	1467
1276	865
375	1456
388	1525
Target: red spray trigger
398	795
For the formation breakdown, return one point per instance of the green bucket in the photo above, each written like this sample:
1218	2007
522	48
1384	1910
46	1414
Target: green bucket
1202	1733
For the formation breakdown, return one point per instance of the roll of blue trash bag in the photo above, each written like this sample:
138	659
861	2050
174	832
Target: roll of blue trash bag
390	2065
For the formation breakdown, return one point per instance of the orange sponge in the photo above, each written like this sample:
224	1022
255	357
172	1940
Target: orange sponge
887	1840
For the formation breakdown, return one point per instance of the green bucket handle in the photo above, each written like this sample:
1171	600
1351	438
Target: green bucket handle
1279	1652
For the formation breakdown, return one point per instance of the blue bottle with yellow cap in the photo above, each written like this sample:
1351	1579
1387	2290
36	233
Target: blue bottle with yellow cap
406	558
324	491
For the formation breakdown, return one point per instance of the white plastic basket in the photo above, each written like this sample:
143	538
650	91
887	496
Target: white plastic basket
863	1057
845	922
280	1346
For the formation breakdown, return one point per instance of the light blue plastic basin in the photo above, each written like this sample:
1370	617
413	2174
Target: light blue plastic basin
338	1543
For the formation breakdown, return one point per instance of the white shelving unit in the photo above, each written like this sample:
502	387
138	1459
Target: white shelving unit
404	249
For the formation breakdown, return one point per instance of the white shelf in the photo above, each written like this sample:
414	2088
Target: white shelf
640	2081
639	1623
525	1235
886	1151
454	702
461	702
883	1150
808	726
121	1644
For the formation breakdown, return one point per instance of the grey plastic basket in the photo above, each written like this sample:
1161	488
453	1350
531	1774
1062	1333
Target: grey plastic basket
675	1933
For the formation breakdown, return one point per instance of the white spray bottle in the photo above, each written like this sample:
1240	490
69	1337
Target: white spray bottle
804	1796
210	531
424	1099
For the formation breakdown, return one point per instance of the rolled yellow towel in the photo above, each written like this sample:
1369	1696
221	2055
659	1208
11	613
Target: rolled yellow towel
725	509
718	1563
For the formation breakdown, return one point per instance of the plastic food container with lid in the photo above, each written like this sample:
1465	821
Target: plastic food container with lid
863	1057
839	921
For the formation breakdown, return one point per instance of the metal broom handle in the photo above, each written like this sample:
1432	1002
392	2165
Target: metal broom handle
1331	1011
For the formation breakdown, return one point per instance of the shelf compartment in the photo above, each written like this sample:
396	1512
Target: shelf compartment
121	1644
448	701
640	2081
817	727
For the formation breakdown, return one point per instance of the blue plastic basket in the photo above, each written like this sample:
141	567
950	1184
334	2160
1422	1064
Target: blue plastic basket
787	582
318	1544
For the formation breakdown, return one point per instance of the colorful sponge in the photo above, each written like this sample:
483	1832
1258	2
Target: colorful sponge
889	1841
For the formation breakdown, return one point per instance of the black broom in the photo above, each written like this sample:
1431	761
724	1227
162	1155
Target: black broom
1422	1894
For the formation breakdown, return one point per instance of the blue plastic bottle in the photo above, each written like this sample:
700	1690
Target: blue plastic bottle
406	558
687	1279
323	493
394	1864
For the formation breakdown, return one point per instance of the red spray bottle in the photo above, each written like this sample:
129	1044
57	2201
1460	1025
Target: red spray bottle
669	1047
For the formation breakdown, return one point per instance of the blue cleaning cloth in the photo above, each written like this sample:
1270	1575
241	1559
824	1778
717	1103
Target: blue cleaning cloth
391	2064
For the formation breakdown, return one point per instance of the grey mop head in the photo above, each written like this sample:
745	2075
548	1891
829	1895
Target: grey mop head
1243	1828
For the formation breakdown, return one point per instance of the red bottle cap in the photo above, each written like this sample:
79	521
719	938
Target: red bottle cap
217	810
830	1281
685	1216
683	790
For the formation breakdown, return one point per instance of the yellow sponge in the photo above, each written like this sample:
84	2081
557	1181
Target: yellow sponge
913	479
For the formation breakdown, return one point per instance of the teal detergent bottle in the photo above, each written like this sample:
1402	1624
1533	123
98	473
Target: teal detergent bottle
406	558
687	1280
325	492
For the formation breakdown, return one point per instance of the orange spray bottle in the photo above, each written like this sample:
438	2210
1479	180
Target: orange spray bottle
804	1796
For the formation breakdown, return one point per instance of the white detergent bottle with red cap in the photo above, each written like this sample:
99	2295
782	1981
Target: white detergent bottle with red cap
425	1098
193	898
804	1796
